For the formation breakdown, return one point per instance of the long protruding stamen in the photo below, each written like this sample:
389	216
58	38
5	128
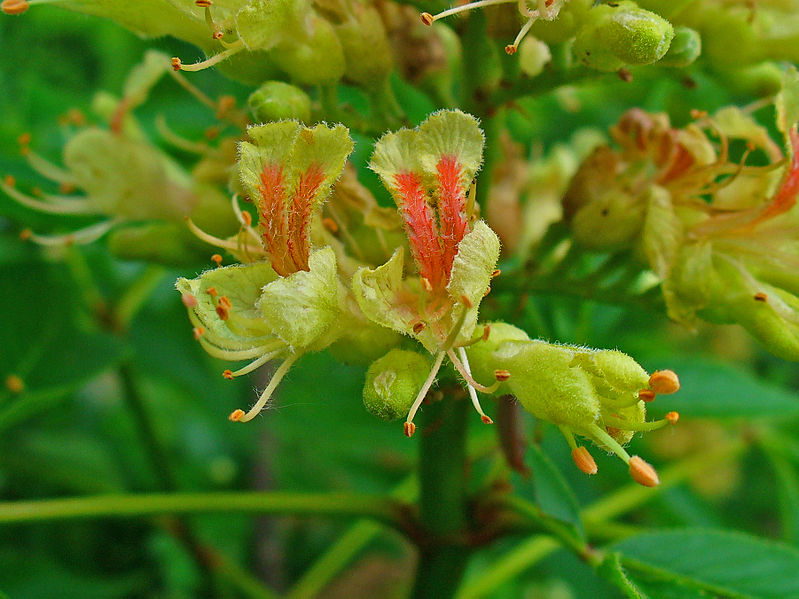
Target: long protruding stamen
511	48
471	389
244	220
215	241
176	140
234	48
81	236
47	169
254	364
456	329
267	393
467	376
600	435
622	424
410	427
429	19
232	354
55	205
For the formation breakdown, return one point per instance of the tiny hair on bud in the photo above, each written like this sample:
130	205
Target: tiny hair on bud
664	382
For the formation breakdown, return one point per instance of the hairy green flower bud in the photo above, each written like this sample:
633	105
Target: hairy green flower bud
366	48
392	383
481	354
610	221
685	48
275	100
565	26
317	60
622	34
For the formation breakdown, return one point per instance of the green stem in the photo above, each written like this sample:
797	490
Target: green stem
442	499
152	504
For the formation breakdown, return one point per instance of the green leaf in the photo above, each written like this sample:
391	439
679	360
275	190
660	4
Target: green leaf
549	490
611	570
728	563
711	389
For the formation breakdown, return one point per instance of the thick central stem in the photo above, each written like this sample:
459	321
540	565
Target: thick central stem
442	498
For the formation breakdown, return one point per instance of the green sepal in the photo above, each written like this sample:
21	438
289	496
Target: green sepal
685	48
383	296
242	284
478	253
788	101
302	308
662	233
396	153
274	144
393	382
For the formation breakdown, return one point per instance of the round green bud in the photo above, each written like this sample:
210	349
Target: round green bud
393	382
637	36
622	34
533	56
366	47
610	221
544	381
685	48
276	100
481	354
563	28
316	61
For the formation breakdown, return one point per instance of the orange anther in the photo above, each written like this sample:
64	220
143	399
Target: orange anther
646	395
410	428
222	312
486	419
198	332
211	291
625	75
15	384
330	224
510	49
427	18
426	285
584	460
643	473
235	415
664	381
203	3
224	104
247	218
496	273
418	327
212	132
501	375
761	297
176	64
217	35
466	302
217	259
10	181
14	7
488	290
224	301
25	234
673	417
24	139
486	332
66	188
698	114
188	300
228	374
